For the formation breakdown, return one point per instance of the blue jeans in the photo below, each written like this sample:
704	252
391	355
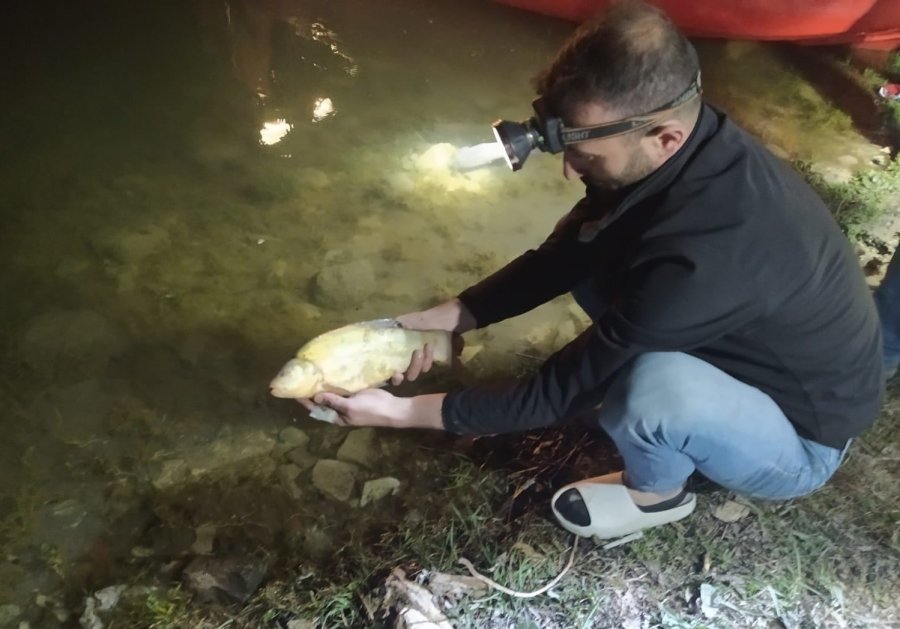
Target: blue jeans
670	413
887	299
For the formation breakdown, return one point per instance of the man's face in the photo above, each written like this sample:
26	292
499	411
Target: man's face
609	163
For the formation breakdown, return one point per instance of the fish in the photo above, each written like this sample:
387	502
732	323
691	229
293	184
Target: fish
354	357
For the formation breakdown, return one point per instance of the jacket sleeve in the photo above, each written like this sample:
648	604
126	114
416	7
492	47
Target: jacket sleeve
671	304
535	277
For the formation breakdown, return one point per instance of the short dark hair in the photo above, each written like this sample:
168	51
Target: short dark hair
630	57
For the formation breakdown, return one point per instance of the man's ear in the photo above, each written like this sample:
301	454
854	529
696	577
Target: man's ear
666	138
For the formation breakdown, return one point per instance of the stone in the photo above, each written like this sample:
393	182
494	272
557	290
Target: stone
288	474
225	579
335	478
345	281
377	489
204	539
359	447
302	458
108	597
731	511
174	472
293	437
9	613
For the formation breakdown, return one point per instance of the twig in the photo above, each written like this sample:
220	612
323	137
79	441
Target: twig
506	590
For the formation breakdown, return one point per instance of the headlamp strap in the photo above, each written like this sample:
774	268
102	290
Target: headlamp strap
609	129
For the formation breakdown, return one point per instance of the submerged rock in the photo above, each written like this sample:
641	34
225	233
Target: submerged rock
288	474
293	437
9	613
302	458
240	455
345	280
359	447
335	478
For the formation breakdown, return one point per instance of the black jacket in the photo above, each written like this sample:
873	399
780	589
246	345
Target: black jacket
724	253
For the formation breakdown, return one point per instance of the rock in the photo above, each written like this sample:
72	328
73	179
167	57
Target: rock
108	597
239	455
359	447
345	281
848	161
204	539
9	613
89	618
79	336
288	474
377	489
173	473
335	478
293	437
224	580
302	458
731	511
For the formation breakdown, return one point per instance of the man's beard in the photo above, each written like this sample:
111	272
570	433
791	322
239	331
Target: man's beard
638	167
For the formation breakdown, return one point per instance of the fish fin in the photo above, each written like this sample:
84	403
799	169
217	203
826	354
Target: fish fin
324	414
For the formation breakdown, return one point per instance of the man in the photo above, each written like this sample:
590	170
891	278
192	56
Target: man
732	333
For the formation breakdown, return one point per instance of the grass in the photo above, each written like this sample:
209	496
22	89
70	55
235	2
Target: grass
857	204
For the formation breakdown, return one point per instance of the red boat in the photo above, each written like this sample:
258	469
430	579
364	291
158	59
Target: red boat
863	23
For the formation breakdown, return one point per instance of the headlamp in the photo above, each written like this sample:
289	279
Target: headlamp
546	132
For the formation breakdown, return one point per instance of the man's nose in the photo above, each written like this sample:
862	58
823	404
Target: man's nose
569	171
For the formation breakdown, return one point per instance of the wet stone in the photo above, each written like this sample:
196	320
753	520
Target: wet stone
173	473
293	437
344	281
204	539
335	478
359	447
9	614
288	474
302	458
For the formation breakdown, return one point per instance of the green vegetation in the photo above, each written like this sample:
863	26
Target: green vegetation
862	200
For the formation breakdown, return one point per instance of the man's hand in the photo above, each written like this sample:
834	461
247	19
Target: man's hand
451	316
376	407
419	363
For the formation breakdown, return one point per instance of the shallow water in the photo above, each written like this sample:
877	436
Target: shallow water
182	208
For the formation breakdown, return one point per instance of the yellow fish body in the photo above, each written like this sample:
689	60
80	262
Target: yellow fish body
356	357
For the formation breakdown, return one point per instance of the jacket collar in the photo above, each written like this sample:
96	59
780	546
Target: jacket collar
613	204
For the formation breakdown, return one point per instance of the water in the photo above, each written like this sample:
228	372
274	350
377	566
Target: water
191	190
